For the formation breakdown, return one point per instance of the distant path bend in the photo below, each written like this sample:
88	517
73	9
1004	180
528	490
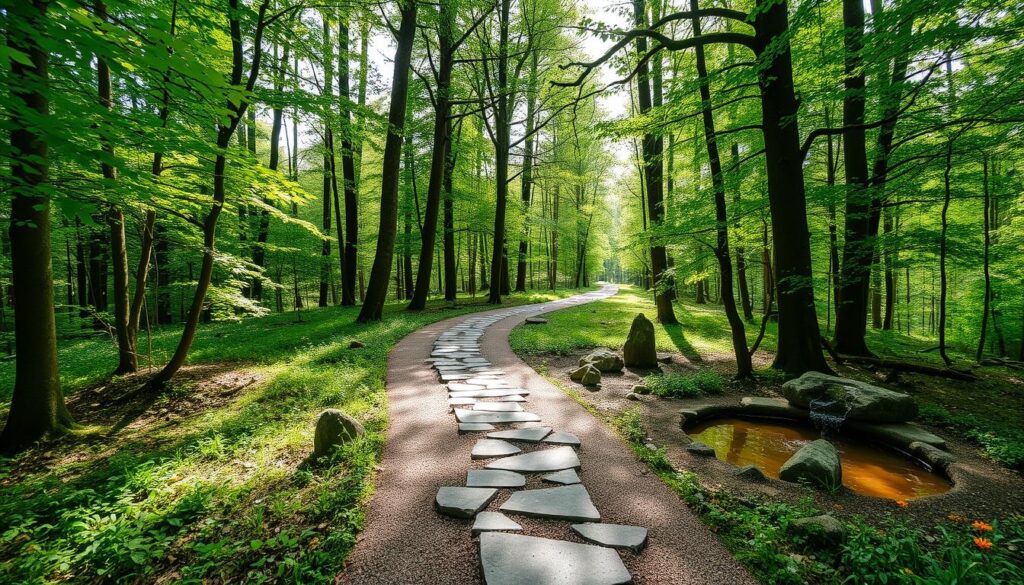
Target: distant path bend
405	541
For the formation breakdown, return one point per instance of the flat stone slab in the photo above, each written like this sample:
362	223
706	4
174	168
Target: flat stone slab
541	461
470	416
530	435
567	502
474	427
493	521
515	559
491	448
497	407
495	478
562	438
485	393
461	387
460	401
632	538
564	477
463	502
897	434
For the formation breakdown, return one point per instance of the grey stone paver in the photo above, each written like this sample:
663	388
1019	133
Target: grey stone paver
564	477
632	538
567	502
494	478
491	448
463	502
485	393
562	438
492	521
464	415
528	435
497	407
541	461
475	427
515	559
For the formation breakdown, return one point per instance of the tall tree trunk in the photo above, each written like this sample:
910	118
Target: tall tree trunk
799	339
744	369
377	289
224	133
259	251
859	245
329	180
943	279
741	258
349	256
987	206
652	148
450	282
527	176
37	403
439	155
502	130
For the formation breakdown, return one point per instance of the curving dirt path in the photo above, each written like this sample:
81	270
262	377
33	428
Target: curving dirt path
406	541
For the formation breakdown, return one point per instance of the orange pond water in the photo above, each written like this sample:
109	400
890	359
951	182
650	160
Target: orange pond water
867	470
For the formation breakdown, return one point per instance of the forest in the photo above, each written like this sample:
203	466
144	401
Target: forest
838	179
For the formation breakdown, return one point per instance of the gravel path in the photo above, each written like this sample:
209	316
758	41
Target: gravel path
406	541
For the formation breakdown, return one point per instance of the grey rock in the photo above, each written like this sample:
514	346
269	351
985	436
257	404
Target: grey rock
937	458
633	538
900	435
493	521
474	427
491	448
639	349
541	461
699	448
334	428
528	435
461	401
463	502
587	374
564	477
462	387
640	389
568	502
751	472
494	417
819	531
604	360
356	344
816	463
633	397
495	478
536	320
515	559
497	407
771	407
701	411
512	398
481	392
665	358
562	438
861	401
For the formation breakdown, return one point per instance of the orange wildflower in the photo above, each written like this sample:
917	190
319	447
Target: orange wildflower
982	543
981	526
901	503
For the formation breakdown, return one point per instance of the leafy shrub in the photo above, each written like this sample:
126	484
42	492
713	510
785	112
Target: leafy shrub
1003	445
693	385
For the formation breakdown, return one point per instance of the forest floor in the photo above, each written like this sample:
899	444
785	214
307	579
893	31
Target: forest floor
206	481
981	420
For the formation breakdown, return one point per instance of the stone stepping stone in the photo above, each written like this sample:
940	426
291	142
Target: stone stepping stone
512	398
446	377
486	393
470	416
462	502
491	448
461	387
516	559
542	461
563	438
489	382
497	407
633	538
474	427
492	521
568	502
485	372
494	478
461	402
565	477
530	435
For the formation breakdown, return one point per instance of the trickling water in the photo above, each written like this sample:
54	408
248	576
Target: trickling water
828	415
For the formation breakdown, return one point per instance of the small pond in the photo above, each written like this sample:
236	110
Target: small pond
868	469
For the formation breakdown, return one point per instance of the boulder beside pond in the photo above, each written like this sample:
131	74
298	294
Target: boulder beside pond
861	401
639	350
603	359
819	531
334	428
816	463
588	375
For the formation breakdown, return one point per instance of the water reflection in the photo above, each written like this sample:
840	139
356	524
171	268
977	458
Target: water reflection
867	469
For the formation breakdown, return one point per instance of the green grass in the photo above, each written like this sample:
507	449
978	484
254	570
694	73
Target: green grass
692	385
217	493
